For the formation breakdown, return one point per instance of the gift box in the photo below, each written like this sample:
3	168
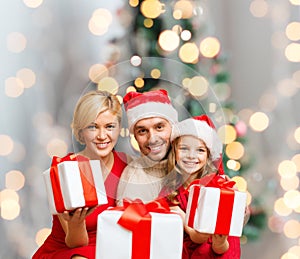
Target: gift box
73	182
129	235
216	208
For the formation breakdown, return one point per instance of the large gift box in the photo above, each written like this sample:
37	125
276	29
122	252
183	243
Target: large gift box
138	232
216	208
73	182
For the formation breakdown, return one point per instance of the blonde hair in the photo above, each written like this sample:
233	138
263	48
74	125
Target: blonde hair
90	106
175	178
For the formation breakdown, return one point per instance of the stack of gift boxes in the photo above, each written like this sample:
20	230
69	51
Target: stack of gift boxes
138	230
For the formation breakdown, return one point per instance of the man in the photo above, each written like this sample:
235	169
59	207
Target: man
150	119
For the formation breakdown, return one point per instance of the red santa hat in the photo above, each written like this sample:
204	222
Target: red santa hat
203	128
149	104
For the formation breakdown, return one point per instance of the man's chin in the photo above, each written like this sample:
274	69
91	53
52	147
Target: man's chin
156	157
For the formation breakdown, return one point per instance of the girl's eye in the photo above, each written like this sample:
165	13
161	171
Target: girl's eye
201	150
183	148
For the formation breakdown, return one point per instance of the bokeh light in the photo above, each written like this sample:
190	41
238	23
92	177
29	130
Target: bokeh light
259	121
27	76
33	3
109	84
259	8
14	180
287	169
292	31
41	235
292	228
100	21
281	209
168	40
97	72
235	150
189	52
292	52
6	146
227	134
197	86
57	147
183	9
152	8
16	42
14	87
210	47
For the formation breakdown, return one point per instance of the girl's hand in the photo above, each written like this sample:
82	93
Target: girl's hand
180	212
196	236
219	243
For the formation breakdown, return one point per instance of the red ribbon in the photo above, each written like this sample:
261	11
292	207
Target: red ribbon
136	218
87	179
225	203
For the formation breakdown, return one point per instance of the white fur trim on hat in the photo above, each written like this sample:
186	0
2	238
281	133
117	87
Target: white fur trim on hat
201	130
149	110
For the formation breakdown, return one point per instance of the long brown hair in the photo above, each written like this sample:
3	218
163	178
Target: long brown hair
175	178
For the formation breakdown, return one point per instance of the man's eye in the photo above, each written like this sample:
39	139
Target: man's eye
111	126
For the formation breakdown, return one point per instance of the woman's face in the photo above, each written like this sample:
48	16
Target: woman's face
191	154
101	136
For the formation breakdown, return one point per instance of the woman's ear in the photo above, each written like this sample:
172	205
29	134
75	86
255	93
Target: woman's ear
81	138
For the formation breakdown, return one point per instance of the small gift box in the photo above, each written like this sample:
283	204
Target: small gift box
216	208
73	182
139	232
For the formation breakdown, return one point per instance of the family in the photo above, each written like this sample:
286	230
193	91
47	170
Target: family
173	154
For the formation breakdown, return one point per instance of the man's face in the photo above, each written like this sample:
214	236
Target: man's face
153	137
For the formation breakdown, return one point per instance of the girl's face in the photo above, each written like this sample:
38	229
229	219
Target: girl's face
191	154
101	136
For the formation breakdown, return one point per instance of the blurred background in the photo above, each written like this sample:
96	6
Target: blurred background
238	61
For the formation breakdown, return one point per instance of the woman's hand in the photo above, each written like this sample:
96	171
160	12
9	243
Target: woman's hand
74	226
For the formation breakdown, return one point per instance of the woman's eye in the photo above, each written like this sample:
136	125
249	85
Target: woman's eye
91	127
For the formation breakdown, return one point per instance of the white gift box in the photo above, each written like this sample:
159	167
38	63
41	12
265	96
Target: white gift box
203	211
115	242
71	185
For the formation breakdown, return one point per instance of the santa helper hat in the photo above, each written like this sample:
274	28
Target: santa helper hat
203	128
148	104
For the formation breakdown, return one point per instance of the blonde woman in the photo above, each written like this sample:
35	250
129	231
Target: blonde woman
96	124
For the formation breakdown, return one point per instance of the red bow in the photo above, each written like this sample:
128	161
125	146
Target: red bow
136	218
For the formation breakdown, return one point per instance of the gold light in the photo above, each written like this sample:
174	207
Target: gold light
108	84
292	52
168	40
259	121
197	86
227	134
97	71
152	8
292	31
235	150
6	146
189	52
183	9
27	76
287	169
210	47
14	180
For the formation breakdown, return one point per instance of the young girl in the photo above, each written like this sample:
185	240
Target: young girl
96	124
196	148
